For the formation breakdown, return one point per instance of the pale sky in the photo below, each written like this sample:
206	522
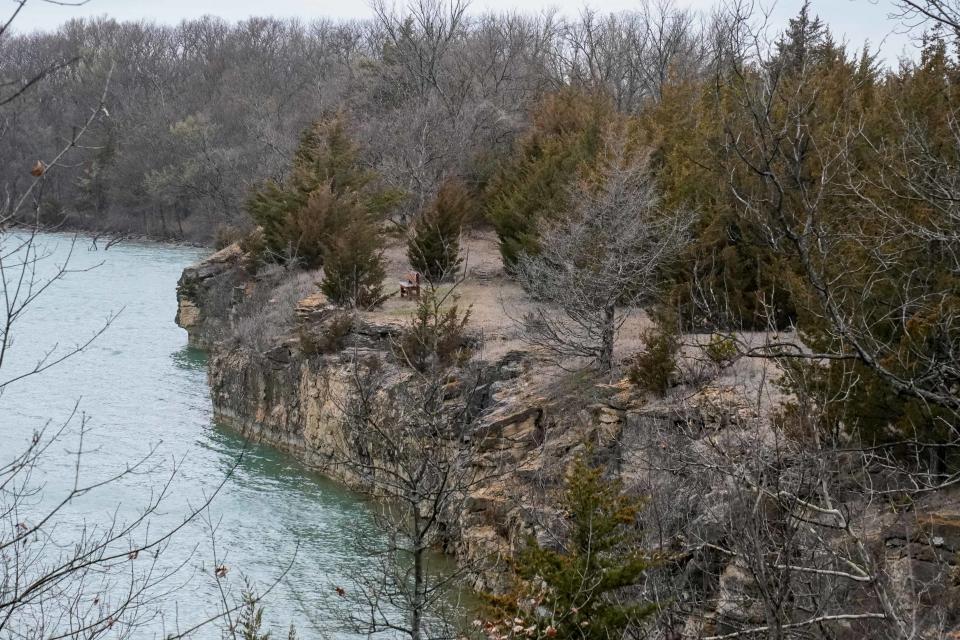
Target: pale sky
853	21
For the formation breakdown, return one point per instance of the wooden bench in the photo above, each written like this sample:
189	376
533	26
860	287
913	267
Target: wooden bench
410	286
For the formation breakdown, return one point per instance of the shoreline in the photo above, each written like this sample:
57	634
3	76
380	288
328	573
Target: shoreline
104	238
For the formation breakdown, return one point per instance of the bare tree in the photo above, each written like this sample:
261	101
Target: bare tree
60	578
920	12
633	55
405	424
784	547
600	262
104	579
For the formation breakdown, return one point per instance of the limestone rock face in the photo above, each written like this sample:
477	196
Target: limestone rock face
188	313
204	293
526	441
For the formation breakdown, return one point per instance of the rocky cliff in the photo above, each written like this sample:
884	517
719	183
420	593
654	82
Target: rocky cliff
696	455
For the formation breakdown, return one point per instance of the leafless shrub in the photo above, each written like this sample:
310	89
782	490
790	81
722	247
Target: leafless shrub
330	337
267	312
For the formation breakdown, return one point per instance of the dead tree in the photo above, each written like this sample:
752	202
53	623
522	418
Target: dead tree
405	424
599	263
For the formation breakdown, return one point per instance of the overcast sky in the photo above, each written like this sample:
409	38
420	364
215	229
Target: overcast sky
854	21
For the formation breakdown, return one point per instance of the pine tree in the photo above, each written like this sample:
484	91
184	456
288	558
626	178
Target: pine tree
907	300
434	249
327	156
566	136
270	206
249	624
805	42
353	268
574	587
298	216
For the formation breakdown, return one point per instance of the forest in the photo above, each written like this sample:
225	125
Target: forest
758	193
202	111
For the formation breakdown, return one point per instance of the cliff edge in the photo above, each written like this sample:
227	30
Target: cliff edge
703	454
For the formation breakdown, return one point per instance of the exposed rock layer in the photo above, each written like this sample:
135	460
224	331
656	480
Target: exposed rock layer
291	400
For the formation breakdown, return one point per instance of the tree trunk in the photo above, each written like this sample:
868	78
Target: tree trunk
179	221
416	607
606	339
937	456
416	617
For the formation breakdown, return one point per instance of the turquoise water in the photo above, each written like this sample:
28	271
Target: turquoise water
140	388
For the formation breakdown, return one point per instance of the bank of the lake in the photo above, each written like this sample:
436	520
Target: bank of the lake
140	386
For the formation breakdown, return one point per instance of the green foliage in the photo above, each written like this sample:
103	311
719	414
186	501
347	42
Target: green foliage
434	249
721	350
353	269
565	138
806	41
852	398
575	588
271	206
892	289
654	369
436	336
729	276
328	157
328	190
250	621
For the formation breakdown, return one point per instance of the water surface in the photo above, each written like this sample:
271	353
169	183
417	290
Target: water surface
140	387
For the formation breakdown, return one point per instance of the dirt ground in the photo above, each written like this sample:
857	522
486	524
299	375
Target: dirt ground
495	301
497	304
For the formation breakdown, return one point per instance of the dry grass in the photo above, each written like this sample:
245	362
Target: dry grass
494	298
496	303
267	311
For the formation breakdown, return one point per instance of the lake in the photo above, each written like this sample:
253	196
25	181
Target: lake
140	388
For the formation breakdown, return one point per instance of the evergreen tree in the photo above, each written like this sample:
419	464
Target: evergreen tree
735	274
805	42
574	587
353	267
905	305
327	156
271	207
297	217
566	136
436	337
728	276
434	249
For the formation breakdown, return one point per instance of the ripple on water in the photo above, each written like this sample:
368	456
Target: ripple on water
141	387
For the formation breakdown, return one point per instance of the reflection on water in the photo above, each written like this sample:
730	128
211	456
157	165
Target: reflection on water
141	387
